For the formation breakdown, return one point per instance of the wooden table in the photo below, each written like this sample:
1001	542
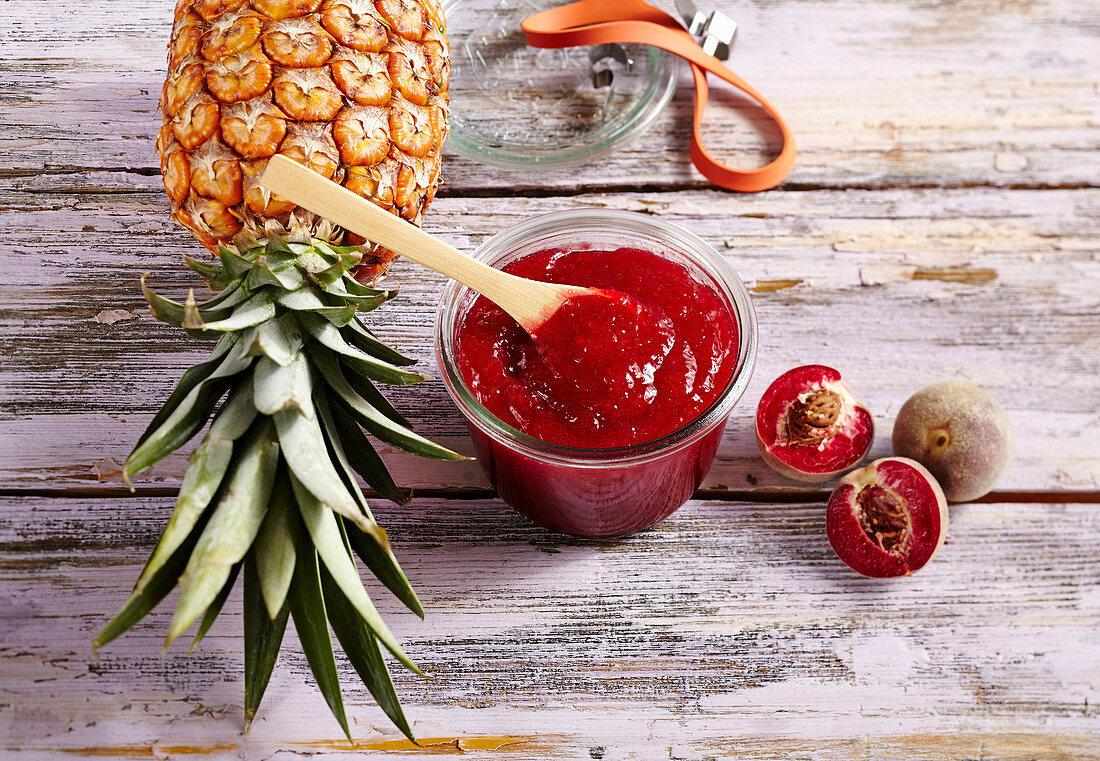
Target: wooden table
942	222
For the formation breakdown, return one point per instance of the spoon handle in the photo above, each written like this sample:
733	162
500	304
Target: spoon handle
529	302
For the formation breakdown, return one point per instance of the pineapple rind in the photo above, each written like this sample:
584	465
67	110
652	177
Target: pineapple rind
272	484
355	89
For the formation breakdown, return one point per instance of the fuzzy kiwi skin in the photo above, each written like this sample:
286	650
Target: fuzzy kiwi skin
960	433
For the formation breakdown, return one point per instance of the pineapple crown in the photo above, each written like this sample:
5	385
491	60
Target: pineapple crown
272	487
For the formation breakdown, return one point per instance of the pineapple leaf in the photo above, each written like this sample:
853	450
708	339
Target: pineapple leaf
185	420
203	335
207	468
235	264
321	524
279	388
363	303
280	339
191	378
306	455
256	310
247	250
305	300
279	260
301	300
339	458
373	420
232	528
277	250
381	562
236	416
262	274
230	296
263	636
318	266
366	389
367	301
173	312
361	648
354	287
214	273
329	274
307	606
350	254
329	336
215	608
364	459
209	462
274	549
358	335
378	555
192	319
284	312
346	256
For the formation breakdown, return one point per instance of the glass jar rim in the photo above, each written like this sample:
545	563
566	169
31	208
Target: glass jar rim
700	253
496	150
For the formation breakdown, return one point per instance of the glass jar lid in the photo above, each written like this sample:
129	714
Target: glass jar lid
515	106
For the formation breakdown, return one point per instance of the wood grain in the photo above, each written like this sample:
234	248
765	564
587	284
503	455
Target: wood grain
728	630
941	222
940	94
996	287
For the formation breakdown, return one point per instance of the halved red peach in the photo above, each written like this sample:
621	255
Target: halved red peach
888	519
810	426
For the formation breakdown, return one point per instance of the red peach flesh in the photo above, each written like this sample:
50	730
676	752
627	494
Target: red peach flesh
809	425
887	519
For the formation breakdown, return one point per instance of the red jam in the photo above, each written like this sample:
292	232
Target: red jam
607	370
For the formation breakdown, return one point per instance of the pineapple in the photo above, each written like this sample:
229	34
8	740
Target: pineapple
354	89
357	91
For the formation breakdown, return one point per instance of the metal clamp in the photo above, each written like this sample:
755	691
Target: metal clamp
716	33
601	58
716	30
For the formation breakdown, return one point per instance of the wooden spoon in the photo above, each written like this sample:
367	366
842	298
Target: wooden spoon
530	302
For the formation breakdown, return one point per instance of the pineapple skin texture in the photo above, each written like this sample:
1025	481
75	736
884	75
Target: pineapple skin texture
354	89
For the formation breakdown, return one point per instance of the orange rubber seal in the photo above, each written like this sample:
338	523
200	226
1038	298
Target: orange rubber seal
595	22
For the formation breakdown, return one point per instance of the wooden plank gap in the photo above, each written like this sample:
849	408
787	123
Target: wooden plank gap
766	496
533	191
121	492
65	169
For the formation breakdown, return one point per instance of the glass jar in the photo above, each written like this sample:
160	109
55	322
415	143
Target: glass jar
521	107
598	492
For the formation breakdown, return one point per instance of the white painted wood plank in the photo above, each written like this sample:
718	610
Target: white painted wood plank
876	94
1013	304
728	631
